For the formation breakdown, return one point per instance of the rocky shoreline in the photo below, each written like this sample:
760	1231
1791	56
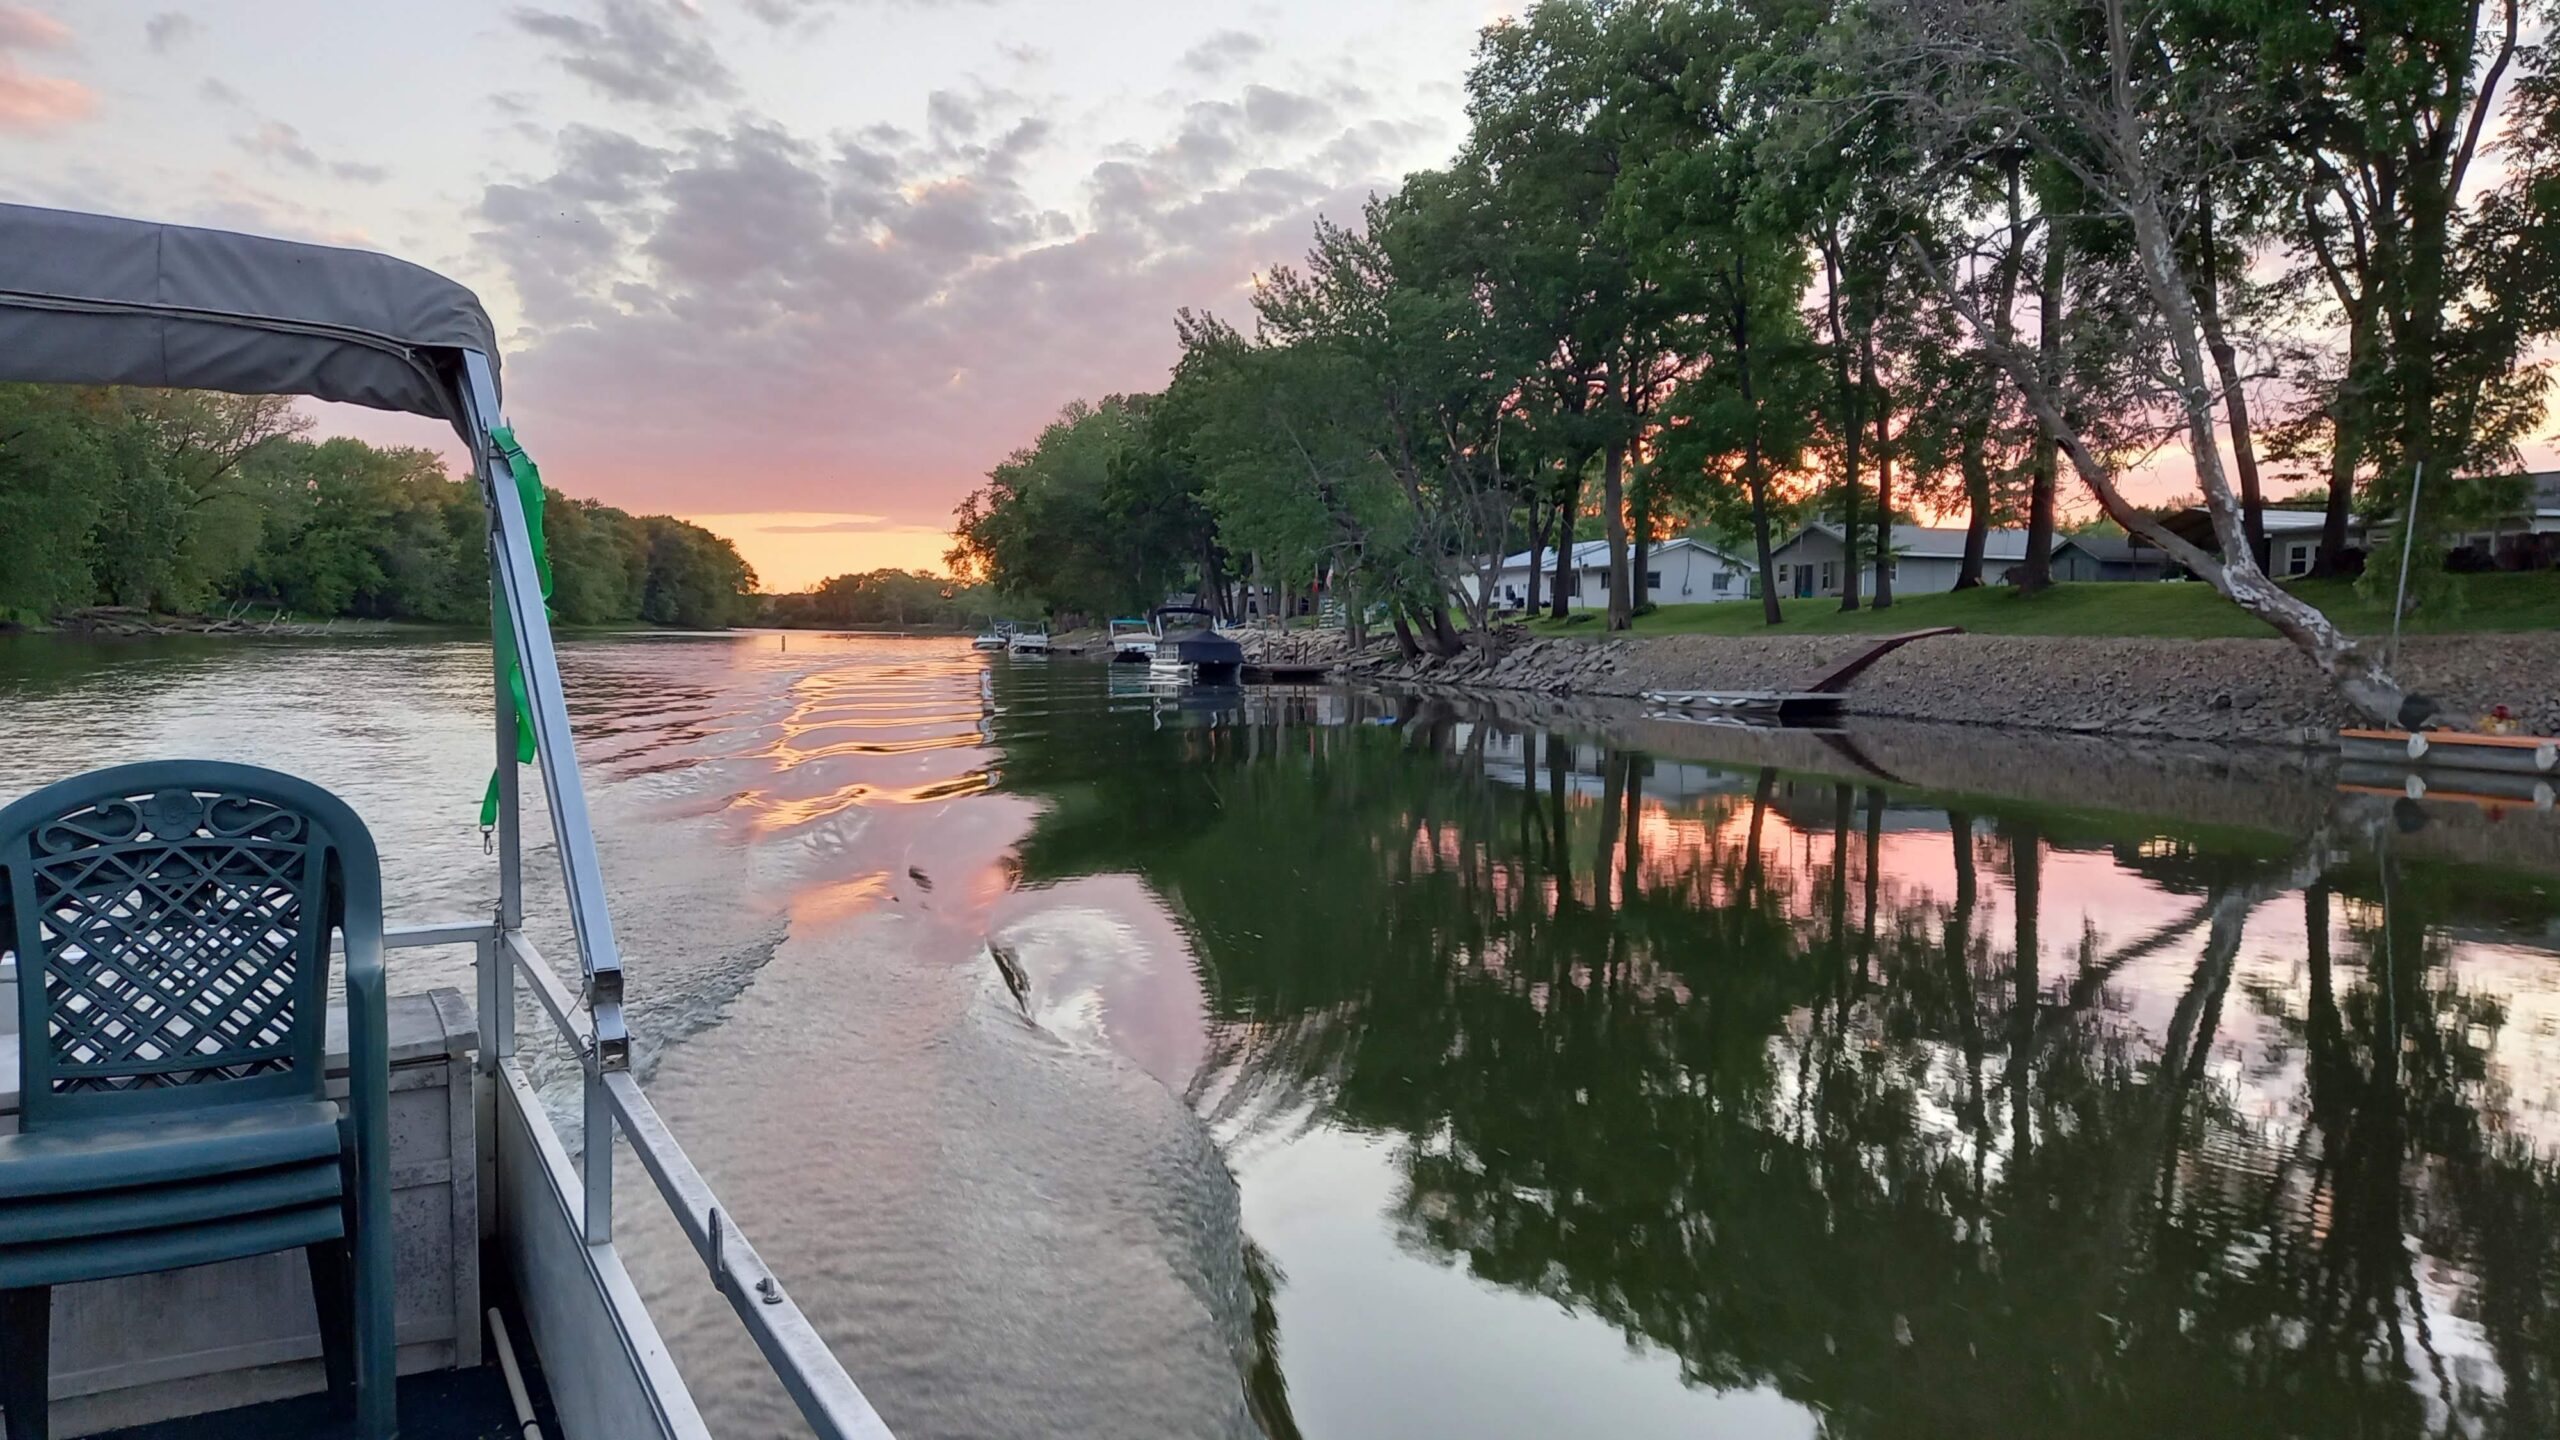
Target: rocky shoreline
2247	691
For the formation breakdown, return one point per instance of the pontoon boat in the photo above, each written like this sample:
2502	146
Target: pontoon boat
169	1078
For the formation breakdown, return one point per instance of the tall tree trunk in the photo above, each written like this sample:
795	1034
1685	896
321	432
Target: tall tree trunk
1445	640
1852	429
1613	521
1568	507
1537	546
1407	649
2036	573
1975	461
2349	410
1754	478
1640	549
1884	470
2226	365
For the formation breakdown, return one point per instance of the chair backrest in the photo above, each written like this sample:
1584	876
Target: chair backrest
171	925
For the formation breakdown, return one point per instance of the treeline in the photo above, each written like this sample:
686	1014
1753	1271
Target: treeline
182	501
880	599
1699	261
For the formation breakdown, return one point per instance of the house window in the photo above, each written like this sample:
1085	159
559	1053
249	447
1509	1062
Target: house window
1653	579
1830	574
1782	577
2297	558
1724	581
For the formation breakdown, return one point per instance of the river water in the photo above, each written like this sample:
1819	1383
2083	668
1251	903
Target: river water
1092	1060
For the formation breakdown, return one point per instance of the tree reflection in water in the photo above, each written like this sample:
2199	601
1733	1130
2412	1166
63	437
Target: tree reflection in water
1753	1068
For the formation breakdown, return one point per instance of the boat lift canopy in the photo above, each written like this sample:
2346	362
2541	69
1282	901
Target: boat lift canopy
97	300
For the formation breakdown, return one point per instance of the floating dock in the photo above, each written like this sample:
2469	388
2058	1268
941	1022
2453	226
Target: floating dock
1287	674
1764	705
2529	755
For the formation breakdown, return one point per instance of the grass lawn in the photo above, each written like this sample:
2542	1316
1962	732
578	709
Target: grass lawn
2183	610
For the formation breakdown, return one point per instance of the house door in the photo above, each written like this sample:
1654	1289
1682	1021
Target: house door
1804	582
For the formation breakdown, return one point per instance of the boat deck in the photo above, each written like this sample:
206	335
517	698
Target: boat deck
439	1405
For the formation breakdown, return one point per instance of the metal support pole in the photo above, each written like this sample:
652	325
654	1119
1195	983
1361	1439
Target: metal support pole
2408	542
485	967
596	1168
519	588
510	813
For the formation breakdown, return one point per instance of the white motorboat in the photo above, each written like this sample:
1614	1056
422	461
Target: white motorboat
1133	642
995	636
1027	642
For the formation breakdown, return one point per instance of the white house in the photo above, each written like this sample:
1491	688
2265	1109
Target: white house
1677	572
1924	562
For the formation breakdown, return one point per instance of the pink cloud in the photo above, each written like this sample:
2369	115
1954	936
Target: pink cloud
33	102
24	29
30	101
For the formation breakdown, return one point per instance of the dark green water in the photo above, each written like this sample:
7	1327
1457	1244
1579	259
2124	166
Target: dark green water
1586	1076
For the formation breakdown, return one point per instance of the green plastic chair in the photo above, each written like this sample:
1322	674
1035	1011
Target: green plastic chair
171	923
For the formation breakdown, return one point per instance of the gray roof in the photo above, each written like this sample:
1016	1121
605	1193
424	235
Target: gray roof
1594	554
1931	541
94	300
2112	549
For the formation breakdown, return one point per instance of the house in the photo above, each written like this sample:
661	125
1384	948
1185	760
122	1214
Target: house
1925	558
2525	537
2109	557
2293	536
1677	572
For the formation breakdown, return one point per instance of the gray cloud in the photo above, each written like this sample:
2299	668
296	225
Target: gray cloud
167	30
793	12
875	317
1282	112
1223	52
281	144
645	52
275	140
218	93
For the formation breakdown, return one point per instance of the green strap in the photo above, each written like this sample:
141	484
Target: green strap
529	490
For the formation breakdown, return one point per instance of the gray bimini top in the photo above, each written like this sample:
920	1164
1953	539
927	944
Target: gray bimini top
94	300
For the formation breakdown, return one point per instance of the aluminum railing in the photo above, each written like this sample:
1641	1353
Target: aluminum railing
825	1395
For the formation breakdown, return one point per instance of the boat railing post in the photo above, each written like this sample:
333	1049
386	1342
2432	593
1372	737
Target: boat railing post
596	1166
498	970
518	583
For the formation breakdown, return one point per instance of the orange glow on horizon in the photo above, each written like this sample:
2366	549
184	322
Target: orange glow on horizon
794	549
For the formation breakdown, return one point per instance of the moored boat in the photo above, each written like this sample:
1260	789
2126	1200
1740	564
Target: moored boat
1190	648
1133	642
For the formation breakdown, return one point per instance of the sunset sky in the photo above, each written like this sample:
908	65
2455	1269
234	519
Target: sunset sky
801	270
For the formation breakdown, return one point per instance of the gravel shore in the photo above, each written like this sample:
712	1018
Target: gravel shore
2224	690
